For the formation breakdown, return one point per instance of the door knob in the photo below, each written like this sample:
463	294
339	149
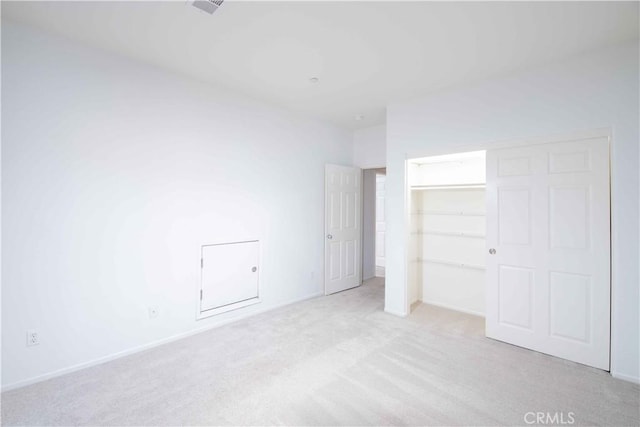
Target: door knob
492	251
254	269
329	236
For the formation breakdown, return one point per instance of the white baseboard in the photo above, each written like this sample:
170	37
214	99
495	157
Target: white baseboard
450	307
110	357
624	377
395	313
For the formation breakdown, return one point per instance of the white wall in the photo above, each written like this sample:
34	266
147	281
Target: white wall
114	174
369	147
368	224
596	90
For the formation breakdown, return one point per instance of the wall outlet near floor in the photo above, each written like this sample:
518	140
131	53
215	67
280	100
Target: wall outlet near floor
32	337
153	312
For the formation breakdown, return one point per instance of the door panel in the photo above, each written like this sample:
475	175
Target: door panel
342	228
514	166
569	217
334	260
514	225
516	297
570	297
548	281
350	258
229	274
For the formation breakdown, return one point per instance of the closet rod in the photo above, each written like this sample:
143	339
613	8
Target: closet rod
447	186
451	263
451	233
456	213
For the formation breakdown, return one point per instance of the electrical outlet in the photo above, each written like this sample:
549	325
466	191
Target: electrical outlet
32	337
153	312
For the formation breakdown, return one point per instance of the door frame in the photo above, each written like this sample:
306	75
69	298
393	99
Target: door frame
492	145
377	170
376	240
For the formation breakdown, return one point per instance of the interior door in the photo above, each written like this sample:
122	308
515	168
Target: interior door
380	224
343	228
548	249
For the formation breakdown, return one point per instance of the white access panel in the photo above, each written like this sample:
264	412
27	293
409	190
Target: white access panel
229	276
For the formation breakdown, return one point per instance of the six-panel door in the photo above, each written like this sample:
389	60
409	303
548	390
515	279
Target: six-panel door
548	231
342	228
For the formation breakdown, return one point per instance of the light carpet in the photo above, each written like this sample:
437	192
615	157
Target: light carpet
337	360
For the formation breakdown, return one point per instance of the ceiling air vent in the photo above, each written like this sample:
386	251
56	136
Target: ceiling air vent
208	6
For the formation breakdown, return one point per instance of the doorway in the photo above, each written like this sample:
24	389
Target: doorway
380	223
373	223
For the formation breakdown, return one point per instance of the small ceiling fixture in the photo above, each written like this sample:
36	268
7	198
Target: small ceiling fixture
314	80
208	6
359	117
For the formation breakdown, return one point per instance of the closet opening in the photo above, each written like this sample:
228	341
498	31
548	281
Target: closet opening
447	231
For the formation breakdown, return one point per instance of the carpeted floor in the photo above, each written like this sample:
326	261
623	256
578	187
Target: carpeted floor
337	360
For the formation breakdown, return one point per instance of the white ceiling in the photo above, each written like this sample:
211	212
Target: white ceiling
366	54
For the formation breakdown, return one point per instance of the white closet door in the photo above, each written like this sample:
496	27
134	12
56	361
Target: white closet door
548	241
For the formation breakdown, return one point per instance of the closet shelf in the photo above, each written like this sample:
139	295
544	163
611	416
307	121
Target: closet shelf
451	263
448	186
452	213
450	233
